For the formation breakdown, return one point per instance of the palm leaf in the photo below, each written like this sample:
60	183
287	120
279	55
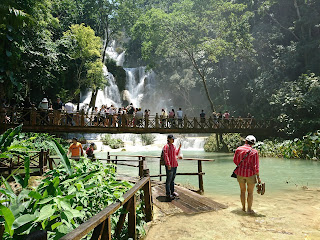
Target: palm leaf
63	156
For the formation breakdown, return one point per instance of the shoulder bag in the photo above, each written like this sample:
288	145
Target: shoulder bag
235	175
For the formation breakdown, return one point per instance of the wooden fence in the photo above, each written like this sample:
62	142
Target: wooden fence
101	223
38	160
116	159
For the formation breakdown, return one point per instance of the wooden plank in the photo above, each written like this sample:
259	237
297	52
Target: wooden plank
93	222
148	202
188	201
132	218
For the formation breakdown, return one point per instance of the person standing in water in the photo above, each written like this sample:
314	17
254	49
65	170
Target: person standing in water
247	160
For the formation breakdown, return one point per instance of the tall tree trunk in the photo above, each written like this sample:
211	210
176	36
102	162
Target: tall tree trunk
92	103
203	78
107	39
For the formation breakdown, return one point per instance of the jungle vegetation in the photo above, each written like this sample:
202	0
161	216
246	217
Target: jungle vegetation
244	56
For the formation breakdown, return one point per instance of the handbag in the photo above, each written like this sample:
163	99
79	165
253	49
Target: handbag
233	175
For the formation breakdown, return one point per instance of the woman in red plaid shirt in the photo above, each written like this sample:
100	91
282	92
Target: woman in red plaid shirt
248	171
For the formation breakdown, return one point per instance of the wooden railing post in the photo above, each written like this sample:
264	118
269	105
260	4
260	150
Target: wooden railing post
195	123
146	121
132	220
41	155
108	157
82	115
200	176
185	121
141	166
157	123
50	163
33	116
103	230
148	201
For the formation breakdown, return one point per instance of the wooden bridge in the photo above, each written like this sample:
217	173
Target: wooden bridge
60	121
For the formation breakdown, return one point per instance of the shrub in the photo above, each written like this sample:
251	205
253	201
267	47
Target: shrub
231	140
114	143
147	139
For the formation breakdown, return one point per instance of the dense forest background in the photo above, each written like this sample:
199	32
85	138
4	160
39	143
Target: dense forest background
244	56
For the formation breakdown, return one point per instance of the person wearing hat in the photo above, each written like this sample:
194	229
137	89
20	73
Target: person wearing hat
75	149
247	160
170	153
43	107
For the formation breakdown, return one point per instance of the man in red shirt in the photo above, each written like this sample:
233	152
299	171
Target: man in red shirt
170	154
248	170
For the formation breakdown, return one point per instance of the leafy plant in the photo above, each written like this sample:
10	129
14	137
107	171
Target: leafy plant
147	139
114	143
66	197
232	141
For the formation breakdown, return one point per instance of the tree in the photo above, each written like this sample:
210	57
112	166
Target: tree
83	50
204	32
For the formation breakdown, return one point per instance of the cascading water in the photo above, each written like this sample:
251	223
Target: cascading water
137	82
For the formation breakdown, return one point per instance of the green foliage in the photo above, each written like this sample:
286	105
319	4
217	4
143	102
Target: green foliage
295	101
66	197
147	139
114	143
304	148
232	141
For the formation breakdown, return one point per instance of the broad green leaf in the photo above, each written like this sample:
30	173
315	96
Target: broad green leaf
27	171
35	195
43	201
54	226
63	156
22	220
8	217
46	211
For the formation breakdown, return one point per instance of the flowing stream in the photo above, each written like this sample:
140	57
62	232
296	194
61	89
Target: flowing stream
278	174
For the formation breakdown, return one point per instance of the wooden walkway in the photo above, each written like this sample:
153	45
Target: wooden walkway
188	202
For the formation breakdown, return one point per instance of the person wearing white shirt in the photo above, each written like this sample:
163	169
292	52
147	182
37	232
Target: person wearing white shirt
69	107
180	117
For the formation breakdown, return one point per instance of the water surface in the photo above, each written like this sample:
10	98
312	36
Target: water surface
278	174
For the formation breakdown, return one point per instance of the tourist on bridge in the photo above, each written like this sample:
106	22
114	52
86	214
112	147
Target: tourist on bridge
202	117
75	149
172	120
163	118
69	109
180	117
44	107
57	105
247	160
170	154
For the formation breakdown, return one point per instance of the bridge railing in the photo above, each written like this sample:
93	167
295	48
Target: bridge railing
35	117
142	166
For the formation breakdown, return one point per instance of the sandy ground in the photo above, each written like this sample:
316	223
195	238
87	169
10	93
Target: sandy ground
289	215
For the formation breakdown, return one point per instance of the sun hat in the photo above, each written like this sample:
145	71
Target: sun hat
45	100
251	139
170	136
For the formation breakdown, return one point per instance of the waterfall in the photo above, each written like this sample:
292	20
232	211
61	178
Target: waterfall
139	88
137	81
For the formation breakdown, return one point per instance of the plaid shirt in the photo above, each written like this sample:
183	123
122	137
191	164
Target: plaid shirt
250	165
170	155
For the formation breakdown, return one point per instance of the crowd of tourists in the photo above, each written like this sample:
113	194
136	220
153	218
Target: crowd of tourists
59	113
